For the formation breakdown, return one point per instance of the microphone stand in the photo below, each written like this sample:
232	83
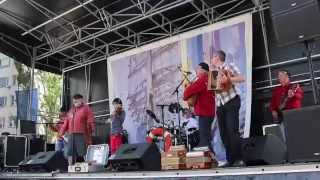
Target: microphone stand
176	91
74	157
46	123
162	116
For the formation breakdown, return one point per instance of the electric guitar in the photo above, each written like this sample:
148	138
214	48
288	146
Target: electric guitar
285	97
284	100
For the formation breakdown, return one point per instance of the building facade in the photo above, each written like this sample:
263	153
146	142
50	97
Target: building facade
8	88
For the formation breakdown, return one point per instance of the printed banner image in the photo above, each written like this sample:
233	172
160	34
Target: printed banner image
147	77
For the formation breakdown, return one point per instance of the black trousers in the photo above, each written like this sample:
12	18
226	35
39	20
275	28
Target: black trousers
205	131
228	119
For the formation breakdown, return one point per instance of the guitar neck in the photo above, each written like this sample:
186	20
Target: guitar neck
285	97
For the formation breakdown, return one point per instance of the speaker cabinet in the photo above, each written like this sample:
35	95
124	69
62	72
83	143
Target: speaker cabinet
264	150
45	162
295	20
302	133
15	150
35	145
134	157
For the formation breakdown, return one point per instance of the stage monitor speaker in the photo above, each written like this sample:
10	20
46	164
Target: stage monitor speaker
274	129
302	133
137	157
295	21
264	150
45	162
15	150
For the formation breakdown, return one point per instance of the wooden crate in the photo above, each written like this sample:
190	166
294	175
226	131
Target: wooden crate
180	153
174	167
200	160
173	160
173	163
204	165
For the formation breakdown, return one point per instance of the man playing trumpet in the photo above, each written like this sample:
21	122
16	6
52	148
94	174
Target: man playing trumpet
204	106
228	105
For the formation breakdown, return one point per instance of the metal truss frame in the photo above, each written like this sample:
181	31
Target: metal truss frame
90	36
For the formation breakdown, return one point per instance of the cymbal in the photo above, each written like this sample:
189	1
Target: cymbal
175	107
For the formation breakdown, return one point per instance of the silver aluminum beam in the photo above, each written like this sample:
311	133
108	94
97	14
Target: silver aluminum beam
45	11
162	35
116	27
57	17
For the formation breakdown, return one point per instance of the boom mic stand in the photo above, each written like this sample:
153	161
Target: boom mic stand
162	118
176	91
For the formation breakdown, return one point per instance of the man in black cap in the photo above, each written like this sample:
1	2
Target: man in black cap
204	107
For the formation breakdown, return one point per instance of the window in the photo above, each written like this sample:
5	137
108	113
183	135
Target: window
2	122
4	62
12	100
14	80
3	101
12	121
3	82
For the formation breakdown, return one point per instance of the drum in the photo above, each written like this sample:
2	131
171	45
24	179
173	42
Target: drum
156	134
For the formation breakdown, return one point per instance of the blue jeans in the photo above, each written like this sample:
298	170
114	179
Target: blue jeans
61	145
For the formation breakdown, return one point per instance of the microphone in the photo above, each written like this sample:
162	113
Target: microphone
186	72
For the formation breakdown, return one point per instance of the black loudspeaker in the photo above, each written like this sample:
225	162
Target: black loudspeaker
15	150
45	162
295	21
27	127
51	147
134	157
302	133
36	145
264	150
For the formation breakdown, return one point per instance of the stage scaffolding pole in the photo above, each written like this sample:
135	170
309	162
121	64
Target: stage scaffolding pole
34	53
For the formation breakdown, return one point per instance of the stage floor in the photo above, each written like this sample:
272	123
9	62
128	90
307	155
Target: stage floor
288	171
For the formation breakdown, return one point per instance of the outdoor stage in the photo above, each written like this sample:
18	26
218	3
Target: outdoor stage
308	171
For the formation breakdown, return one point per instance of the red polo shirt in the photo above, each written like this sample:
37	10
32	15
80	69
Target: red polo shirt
205	103
281	91
79	120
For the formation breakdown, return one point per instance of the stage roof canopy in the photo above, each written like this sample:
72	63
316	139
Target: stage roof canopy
60	34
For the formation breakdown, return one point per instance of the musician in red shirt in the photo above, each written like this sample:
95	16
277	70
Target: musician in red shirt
79	123
204	107
286	96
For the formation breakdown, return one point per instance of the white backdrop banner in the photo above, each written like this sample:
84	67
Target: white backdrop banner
147	76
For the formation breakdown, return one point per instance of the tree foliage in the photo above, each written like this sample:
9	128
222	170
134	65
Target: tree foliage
50	85
23	77
49	89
